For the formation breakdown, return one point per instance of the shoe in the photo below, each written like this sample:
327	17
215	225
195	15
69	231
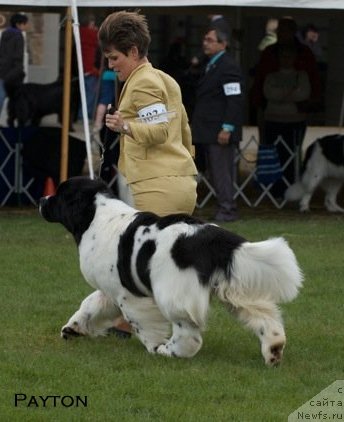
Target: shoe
122	329
123	335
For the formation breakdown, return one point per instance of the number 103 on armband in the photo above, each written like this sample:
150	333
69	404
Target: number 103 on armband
155	113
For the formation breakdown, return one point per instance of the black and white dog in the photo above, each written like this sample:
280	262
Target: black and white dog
160	272
323	166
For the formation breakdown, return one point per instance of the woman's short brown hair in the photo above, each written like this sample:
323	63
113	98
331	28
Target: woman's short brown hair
124	30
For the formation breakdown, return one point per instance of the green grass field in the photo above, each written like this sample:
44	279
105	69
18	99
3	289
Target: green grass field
41	286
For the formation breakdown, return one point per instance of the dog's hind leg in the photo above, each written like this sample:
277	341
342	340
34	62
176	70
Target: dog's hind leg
185	304
310	181
315	172
185	342
94	318
146	320
331	188
264	319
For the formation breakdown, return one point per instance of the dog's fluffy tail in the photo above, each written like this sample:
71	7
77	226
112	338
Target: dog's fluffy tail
295	192
265	270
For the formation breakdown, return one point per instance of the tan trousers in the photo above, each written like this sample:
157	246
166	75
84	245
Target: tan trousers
165	195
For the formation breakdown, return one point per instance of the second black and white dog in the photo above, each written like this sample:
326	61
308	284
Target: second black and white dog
160	272
323	166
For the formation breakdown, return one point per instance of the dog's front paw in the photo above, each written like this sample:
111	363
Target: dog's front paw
164	350
68	332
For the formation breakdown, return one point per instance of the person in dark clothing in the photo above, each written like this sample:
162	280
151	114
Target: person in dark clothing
217	119
304	60
286	119
12	56
174	63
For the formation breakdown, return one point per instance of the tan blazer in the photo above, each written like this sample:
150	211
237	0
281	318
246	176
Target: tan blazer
159	149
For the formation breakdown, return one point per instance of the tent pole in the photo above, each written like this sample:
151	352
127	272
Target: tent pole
76	33
66	97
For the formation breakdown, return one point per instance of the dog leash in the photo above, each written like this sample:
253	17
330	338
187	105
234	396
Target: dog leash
109	137
109	134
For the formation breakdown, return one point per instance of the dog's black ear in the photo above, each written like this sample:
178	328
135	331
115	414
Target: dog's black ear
83	191
80	207
98	185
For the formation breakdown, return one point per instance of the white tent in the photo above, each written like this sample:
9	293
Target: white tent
72	6
313	4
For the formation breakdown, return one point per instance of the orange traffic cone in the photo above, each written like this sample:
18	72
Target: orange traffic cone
49	187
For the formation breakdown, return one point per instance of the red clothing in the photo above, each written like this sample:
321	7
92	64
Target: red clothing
89	45
268	63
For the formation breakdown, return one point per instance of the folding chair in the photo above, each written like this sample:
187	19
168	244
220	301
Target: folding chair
266	189
11	168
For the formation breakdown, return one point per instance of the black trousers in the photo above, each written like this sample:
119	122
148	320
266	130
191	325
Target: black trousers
219	160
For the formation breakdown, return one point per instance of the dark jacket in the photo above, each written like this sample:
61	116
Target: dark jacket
269	63
213	106
11	56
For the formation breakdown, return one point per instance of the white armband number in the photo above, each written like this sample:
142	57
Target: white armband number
232	88
152	114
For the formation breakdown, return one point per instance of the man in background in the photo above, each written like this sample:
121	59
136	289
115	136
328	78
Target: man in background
12	56
217	119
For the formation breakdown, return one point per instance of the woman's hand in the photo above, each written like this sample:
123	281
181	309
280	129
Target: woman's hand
114	121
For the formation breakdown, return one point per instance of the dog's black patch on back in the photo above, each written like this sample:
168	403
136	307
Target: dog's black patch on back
126	246
169	220
125	250
332	147
142	262
209	249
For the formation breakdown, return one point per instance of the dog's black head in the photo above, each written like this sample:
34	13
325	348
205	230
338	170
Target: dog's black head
73	205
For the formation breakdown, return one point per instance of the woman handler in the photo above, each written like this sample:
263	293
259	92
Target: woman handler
155	142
